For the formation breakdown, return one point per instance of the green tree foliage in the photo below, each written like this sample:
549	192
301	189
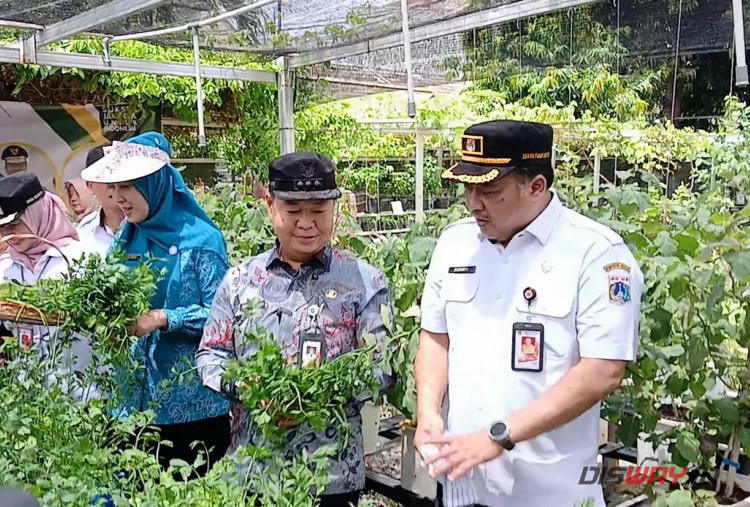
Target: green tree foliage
561	58
249	110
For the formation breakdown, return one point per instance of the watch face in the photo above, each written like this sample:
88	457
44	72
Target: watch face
498	430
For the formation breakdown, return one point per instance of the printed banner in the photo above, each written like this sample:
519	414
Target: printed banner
58	137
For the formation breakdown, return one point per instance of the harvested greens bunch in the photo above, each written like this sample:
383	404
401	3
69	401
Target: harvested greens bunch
98	297
275	392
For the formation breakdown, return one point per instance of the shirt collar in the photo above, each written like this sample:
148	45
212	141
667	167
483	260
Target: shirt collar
89	218
543	225
321	260
51	252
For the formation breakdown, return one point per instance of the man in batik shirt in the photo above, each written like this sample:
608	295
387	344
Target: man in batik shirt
307	289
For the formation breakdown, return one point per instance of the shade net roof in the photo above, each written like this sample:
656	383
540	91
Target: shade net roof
637	29
286	26
614	33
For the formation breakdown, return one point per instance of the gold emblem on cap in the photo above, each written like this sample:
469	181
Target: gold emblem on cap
470	178
472	145
484	160
331	294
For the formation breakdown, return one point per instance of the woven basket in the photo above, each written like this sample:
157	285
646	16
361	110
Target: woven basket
15	311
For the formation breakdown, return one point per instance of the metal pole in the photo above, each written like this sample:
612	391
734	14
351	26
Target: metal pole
286	106
676	61
107	57
597	172
183	28
739	45
554	156
19	24
411	104
199	87
419	190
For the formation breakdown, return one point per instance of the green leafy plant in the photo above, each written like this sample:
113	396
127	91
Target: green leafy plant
275	391
98	297
288	483
243	221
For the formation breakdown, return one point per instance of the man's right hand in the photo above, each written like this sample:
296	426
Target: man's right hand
430	429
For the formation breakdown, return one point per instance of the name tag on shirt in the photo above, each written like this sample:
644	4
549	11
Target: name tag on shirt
528	347
134	257
460	270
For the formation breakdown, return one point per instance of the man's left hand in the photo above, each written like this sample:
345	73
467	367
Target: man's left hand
460	453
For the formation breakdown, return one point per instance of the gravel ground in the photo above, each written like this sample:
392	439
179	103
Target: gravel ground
370	499
387	462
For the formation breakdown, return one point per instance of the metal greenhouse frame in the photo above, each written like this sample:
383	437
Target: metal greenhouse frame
98	21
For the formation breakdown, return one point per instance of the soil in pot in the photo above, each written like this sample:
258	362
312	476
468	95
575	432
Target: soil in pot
673	413
702	479
737	496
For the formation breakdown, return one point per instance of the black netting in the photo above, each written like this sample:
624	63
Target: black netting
637	39
43	12
628	37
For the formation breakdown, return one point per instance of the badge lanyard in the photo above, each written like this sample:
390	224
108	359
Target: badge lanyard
313	345
527	340
529	294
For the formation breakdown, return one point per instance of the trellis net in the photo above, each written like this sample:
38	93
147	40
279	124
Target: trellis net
692	36
629	37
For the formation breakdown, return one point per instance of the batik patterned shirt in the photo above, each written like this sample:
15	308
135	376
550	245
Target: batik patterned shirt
334	294
167	381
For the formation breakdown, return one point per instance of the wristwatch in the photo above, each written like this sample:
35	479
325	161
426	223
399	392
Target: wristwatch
500	433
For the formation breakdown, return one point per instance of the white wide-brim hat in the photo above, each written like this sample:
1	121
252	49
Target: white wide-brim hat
125	162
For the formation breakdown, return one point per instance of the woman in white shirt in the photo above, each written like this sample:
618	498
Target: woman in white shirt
27	210
80	197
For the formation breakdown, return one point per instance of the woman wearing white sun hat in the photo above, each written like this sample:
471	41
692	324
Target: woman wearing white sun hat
165	221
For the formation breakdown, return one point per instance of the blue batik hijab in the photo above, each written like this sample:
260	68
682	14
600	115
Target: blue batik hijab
175	223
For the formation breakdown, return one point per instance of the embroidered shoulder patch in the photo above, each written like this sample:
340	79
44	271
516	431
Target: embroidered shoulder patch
619	282
617	265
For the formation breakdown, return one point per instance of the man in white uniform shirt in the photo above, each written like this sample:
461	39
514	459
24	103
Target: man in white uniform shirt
98	228
529	317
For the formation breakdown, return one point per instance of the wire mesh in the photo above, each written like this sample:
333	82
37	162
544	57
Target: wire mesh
636	40
45	12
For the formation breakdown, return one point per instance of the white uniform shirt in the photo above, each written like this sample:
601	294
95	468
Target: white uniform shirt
51	265
94	234
588	290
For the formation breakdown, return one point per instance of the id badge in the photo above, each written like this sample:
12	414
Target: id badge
26	334
312	350
528	347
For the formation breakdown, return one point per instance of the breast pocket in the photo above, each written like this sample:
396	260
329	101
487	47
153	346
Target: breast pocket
553	308
459	291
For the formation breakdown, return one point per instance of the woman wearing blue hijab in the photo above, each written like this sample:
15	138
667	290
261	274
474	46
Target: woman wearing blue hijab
164	221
